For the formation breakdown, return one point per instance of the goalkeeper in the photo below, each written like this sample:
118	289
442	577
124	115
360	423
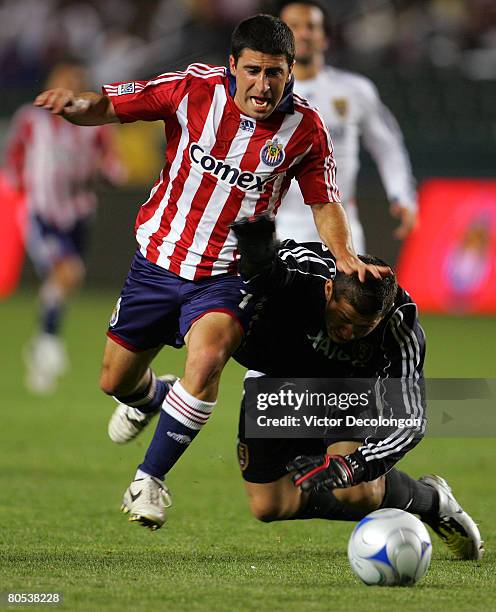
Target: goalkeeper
312	321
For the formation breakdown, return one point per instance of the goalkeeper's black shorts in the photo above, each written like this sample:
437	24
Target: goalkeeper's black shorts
264	460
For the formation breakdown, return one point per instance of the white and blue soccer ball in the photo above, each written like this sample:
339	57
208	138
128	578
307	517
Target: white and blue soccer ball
390	547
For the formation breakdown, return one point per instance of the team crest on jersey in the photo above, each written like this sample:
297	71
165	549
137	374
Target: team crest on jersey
243	456
341	106
125	88
273	153
115	313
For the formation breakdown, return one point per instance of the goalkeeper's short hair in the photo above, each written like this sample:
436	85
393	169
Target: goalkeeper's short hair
373	296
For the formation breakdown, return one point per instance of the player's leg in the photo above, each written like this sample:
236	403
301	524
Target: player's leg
143	320
210	342
125	372
63	280
272	495
210	322
48	359
274	501
278	502
128	377
57	256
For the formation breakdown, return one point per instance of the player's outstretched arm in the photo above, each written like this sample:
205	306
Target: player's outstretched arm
88	108
332	225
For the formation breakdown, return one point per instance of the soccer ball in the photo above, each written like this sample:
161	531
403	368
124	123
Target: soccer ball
390	547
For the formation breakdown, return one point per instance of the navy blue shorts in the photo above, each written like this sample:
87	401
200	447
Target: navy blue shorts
156	307
48	244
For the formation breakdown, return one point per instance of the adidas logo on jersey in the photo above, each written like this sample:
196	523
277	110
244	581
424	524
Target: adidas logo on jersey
247	181
247	125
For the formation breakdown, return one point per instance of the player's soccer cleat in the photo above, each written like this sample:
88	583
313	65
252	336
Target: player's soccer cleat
46	360
146	500
127	422
453	525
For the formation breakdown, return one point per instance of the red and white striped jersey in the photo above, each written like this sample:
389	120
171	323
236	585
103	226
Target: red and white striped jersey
54	162
220	165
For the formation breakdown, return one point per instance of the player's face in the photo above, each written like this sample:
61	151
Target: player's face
307	23
345	324
260	82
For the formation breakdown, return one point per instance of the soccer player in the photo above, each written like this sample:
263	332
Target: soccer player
352	110
235	139
314	321
54	164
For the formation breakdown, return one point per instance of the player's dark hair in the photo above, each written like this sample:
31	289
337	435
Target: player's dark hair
373	296
282	4
263	33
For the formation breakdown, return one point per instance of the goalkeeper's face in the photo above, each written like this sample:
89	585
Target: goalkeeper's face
344	323
260	82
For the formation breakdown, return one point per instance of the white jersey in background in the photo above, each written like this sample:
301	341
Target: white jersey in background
351	108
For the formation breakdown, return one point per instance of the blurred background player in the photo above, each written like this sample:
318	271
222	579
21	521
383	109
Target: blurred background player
351	109
54	164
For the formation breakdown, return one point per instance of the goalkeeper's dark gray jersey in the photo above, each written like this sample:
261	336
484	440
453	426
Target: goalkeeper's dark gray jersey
287	338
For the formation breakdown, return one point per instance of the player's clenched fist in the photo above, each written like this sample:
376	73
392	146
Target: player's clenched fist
62	102
324	472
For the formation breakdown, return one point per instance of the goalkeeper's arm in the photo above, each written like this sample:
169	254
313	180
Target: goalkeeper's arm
259	264
370	461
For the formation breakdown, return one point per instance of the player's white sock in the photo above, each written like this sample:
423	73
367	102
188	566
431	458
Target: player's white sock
187	409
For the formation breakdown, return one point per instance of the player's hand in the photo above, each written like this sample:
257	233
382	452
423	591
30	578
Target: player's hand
61	101
407	217
350	263
323	472
257	244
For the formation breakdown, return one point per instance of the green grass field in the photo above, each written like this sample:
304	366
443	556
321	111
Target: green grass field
61	482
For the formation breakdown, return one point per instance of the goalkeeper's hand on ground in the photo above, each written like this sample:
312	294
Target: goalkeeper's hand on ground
325	472
257	244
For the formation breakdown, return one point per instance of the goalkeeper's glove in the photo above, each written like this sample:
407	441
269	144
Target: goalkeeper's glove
257	244
326	472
